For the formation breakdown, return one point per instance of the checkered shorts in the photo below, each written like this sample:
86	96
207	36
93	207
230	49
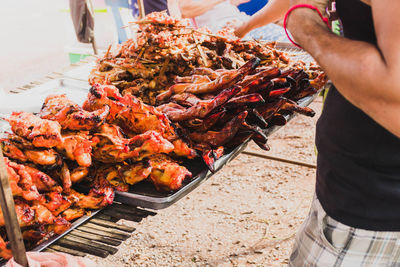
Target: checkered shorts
323	241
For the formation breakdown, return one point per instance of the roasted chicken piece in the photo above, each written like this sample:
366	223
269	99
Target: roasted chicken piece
63	175
113	176
59	226
129	111
41	132
167	174
110	146
93	200
72	214
134	116
56	202
43	182
134	173
21	181
18	148
25	213
70	115
5	249
77	146
43	215
121	176
78	173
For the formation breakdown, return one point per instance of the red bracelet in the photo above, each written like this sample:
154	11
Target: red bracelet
298	6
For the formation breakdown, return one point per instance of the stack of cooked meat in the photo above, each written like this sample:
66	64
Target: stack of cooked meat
204	93
40	177
165	47
221	109
113	141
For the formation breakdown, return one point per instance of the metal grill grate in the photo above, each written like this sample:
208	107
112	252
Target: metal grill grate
102	234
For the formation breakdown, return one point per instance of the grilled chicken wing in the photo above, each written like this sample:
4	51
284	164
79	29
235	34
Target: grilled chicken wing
166	173
134	116
17	148
42	133
21	181
111	146
70	115
77	146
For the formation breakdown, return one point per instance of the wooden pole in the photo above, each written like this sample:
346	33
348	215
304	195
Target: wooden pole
10	216
141	9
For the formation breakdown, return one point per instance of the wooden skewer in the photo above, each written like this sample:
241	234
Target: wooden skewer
10	216
141	9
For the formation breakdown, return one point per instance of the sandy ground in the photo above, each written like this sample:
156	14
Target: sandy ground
245	215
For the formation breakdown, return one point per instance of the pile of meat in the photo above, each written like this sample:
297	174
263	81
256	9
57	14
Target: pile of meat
165	47
111	142
40	178
171	94
214	110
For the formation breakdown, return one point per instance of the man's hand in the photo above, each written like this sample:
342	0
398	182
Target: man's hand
240	29
238	2
302	19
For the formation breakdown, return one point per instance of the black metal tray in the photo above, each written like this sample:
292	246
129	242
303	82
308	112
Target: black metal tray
144	194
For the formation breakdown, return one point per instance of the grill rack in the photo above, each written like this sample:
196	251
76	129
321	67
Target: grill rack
96	234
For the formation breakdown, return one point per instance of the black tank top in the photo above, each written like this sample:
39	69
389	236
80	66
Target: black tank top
358	174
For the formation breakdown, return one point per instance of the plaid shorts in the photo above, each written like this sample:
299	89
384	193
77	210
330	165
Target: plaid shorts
323	241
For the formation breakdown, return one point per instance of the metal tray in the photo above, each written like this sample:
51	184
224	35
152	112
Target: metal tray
145	195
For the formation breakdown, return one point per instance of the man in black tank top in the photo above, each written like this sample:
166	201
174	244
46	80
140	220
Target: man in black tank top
355	216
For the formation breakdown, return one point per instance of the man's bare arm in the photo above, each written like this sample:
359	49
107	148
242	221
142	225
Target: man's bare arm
272	11
365	74
191	9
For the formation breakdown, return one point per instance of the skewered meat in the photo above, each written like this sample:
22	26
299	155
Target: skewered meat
202	108
224	81
214	138
42	133
70	115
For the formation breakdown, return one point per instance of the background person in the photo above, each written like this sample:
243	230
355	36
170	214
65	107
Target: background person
273	11
213	14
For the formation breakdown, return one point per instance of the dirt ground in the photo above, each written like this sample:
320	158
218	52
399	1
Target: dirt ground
245	215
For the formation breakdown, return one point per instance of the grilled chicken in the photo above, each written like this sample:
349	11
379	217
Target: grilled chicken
42	133
167	174
17	148
77	146
110	145
70	115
